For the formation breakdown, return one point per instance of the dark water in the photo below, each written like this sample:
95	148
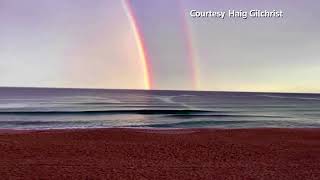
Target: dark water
26	108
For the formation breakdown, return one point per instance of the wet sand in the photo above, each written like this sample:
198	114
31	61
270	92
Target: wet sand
161	154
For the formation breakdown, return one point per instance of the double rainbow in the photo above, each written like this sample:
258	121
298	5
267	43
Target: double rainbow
143	51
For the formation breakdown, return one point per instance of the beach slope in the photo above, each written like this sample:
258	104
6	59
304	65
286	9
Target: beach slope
161	154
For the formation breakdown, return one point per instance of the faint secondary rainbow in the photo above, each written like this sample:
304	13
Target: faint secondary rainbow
191	54
148	82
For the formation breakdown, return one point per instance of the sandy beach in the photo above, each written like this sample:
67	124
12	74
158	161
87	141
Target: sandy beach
161	154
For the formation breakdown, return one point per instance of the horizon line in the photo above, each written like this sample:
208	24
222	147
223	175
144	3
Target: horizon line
141	89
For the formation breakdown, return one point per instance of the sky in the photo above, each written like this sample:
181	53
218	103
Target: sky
143	44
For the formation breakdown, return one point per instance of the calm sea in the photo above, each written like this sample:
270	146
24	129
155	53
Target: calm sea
35	108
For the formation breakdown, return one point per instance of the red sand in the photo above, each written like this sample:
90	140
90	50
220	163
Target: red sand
152	154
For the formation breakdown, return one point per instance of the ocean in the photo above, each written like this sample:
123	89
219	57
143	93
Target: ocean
45	108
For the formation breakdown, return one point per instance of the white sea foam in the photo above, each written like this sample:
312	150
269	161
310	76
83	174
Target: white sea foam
13	105
287	97
170	100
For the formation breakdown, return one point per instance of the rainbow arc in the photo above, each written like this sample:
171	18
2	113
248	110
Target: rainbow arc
143	51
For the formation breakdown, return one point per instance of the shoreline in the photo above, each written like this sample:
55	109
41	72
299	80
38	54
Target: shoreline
12	130
115	153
